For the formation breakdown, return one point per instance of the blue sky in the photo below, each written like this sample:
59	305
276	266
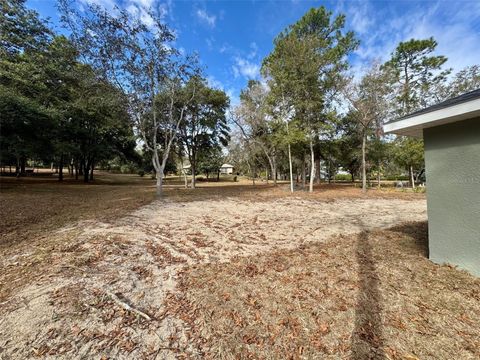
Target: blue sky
232	37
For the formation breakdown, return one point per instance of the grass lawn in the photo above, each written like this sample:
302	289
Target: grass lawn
228	270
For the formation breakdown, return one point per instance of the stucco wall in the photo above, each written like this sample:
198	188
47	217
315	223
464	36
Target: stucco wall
452	159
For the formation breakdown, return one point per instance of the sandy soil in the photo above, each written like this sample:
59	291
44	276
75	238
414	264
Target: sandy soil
69	312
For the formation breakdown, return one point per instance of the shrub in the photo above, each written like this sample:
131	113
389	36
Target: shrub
343	177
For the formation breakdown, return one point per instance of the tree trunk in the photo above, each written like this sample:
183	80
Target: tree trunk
82	166
266	174
17	166
304	172
329	170
290	166
60	169
364	168
274	171
312	167
76	170
185	178
92	166
253	174
412	180
218	175
318	170
159	183
194	173
86	171
23	163
378	176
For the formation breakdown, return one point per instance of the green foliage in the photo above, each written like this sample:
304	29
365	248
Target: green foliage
464	81
210	160
54	108
306	64
21	29
415	72
204	126
408	151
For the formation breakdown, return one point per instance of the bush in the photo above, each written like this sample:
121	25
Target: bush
343	177
141	173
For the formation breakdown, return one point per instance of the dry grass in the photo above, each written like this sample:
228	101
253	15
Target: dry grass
374	295
31	206
228	270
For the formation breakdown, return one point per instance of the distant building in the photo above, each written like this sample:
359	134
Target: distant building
451	133
226	169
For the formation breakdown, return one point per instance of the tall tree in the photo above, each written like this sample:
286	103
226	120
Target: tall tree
369	105
305	68
21	29
408	153
415	74
25	121
466	80
259	129
204	126
140	60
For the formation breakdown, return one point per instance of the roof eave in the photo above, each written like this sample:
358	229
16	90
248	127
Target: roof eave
414	125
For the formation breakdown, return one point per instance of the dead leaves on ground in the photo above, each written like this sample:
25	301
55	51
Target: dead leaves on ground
307	302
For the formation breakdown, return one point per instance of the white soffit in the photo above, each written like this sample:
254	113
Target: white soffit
414	125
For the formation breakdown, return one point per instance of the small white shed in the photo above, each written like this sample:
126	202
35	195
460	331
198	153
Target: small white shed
226	169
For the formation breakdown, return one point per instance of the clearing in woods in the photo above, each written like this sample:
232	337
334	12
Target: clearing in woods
225	271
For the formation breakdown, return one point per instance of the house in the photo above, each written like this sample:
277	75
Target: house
451	133
226	169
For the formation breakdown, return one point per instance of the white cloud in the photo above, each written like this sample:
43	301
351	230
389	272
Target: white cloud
210	42
358	14
107	4
214	83
253	50
381	29
206	18
143	3
245	68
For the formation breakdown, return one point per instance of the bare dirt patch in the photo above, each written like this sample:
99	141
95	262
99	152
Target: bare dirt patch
67	311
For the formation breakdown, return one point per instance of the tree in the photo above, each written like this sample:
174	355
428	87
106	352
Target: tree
259	129
210	160
349	143
369	105
25	121
140	60
204	126
415	73
466	80
304	69
21	29
408	153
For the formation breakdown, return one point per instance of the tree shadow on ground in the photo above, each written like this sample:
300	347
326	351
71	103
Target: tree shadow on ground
367	336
